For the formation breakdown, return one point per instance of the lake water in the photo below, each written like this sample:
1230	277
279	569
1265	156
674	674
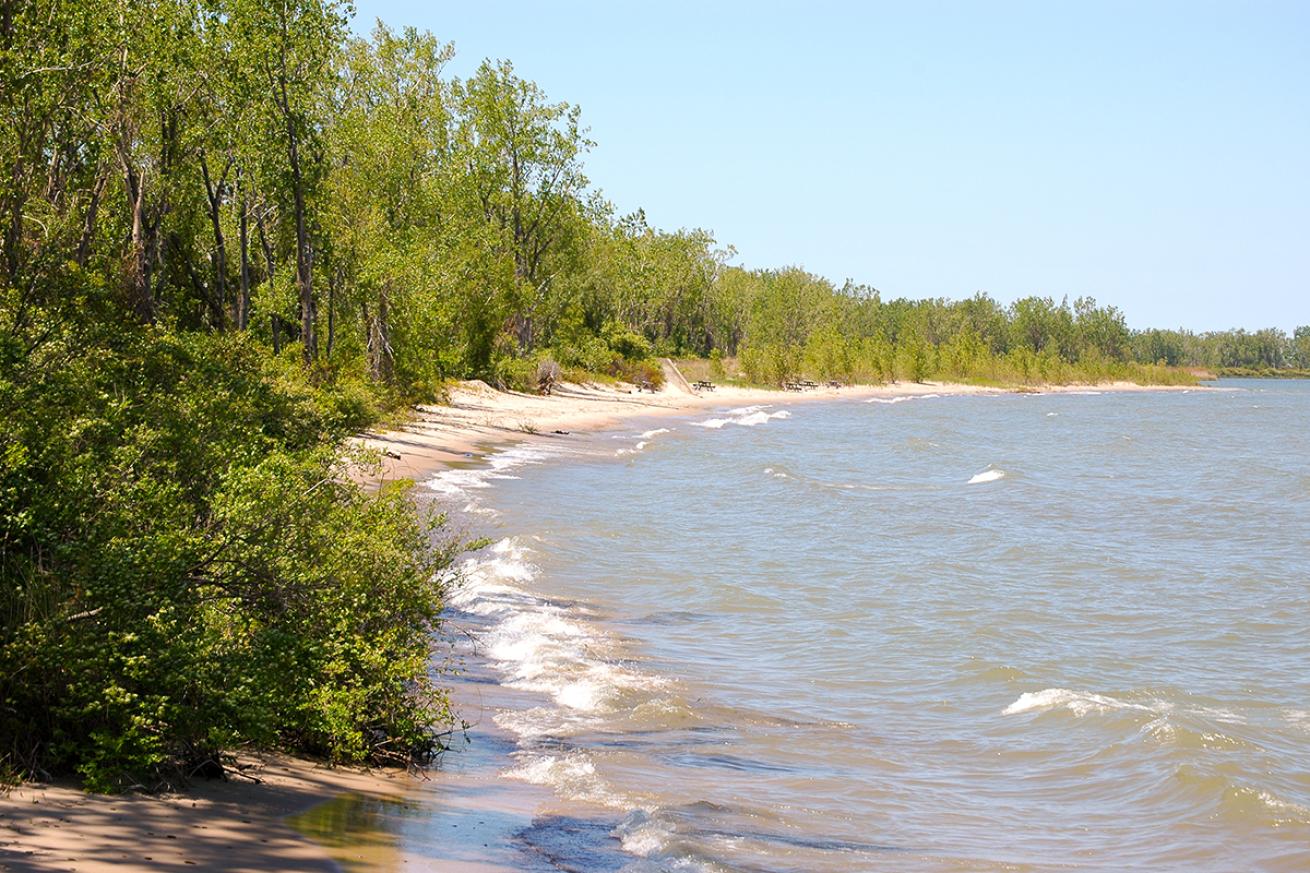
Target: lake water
1021	632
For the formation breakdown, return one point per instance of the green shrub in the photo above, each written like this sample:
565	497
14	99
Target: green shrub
628	344
185	565
637	372
515	374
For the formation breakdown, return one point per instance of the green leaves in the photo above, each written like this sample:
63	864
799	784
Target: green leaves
185	566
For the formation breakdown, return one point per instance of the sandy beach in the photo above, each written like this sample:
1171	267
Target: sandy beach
233	825
478	417
271	823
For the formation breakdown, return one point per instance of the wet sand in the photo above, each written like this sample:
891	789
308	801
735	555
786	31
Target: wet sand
235	825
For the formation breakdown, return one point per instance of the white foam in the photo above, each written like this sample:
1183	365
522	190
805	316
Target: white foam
1078	702
458	483
746	416
901	398
489	585
642	834
540	646
541	721
572	776
642	441
989	475
1052	414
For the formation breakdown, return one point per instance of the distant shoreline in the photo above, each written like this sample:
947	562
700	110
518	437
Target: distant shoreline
478	417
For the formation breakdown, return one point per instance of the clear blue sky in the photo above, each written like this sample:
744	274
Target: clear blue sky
1155	155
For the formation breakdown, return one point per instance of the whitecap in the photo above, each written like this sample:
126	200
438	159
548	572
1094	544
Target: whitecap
746	416
988	475
1080	703
459	482
643	834
572	776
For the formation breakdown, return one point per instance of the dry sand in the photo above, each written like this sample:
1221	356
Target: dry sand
246	826
478	417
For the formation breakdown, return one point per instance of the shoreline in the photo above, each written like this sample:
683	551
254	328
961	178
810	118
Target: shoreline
215	825
479	418
272	824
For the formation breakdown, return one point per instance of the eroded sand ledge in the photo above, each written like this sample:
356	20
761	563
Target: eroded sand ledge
243	825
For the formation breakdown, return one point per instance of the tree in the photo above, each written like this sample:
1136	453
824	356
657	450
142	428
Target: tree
386	206
293	44
522	157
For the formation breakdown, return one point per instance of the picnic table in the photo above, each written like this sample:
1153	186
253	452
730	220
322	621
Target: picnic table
703	385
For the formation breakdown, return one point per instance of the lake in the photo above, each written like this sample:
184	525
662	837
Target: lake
1018	632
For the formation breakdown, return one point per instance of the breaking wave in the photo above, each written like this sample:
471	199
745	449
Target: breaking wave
746	416
988	475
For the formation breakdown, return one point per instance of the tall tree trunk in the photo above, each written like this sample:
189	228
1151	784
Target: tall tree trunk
380	356
138	265
243	222
304	257
89	224
214	195
332	311
14	227
265	244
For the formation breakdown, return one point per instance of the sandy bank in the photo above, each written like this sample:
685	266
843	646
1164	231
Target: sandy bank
478	417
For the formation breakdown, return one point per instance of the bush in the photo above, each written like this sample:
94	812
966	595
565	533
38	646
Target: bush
592	355
515	374
637	372
626	343
185	565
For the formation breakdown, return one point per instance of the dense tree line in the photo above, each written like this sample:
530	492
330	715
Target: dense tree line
232	234
245	165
